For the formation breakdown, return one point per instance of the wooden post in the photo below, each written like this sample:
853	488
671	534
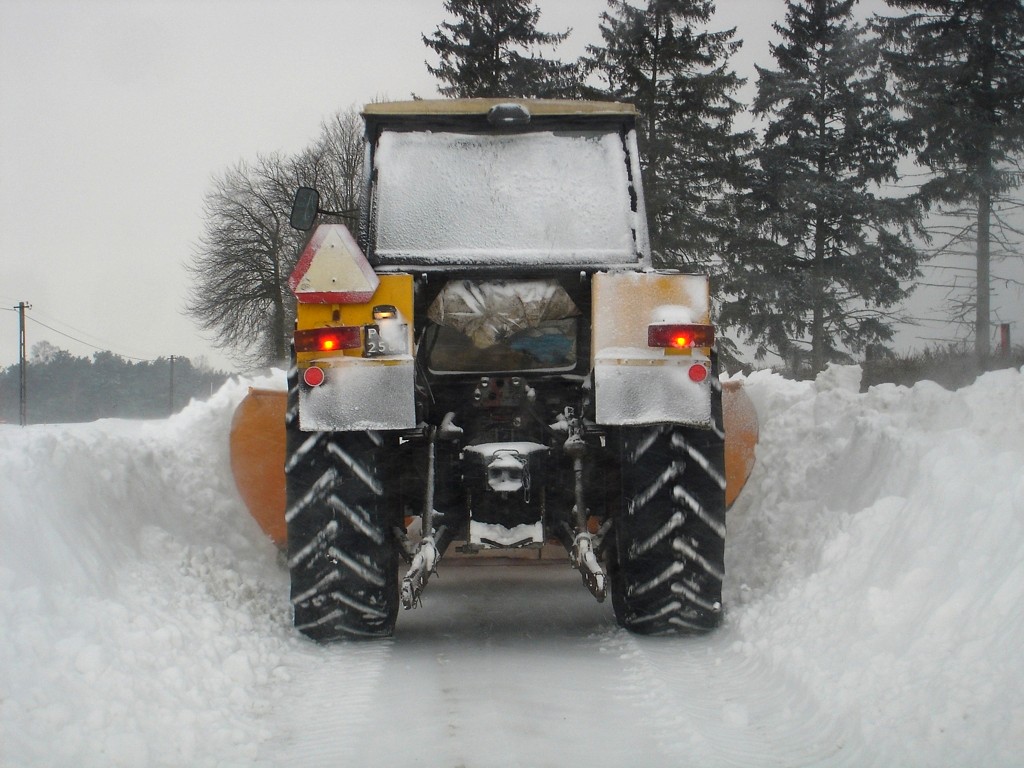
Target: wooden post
22	363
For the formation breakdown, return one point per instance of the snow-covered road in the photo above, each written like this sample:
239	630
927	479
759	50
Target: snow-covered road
875	598
518	666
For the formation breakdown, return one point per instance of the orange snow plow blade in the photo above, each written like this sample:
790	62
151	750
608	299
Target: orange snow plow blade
258	451
740	423
257	458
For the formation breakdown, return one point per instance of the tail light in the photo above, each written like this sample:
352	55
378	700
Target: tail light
680	336
328	339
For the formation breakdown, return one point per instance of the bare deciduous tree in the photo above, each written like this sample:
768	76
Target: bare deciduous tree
955	237
340	152
241	264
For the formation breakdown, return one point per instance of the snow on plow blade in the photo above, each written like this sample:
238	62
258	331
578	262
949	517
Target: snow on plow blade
258	452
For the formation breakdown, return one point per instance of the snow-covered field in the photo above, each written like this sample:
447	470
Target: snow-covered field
875	597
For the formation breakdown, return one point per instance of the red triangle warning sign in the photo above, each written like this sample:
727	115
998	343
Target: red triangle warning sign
333	270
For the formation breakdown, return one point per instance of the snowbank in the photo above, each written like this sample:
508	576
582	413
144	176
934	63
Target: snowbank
876	557
142	610
878	553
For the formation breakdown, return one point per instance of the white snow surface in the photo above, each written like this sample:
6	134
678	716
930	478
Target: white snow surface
875	611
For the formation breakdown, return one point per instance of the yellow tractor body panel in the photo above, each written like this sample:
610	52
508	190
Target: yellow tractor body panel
625	303
635	383
394	289
360	390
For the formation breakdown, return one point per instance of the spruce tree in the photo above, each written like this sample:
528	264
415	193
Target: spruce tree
492	49
960	69
824	253
662	59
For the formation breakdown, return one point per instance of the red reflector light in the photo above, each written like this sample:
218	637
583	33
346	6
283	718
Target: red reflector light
328	339
313	376
677	336
698	373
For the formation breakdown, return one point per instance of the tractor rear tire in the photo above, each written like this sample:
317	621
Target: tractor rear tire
669	559
342	552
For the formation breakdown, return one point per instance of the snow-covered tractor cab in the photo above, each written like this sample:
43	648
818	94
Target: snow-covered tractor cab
490	363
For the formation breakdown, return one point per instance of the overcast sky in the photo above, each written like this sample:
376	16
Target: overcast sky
116	114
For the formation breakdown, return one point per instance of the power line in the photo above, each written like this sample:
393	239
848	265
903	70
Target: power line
76	338
86	343
82	334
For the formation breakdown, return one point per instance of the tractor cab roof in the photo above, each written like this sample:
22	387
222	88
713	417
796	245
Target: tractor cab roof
556	107
505	185
514	114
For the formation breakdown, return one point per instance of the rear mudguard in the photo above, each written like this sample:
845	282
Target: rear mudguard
258	451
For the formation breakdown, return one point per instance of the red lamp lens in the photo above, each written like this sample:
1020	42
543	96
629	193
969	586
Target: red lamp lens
328	339
680	336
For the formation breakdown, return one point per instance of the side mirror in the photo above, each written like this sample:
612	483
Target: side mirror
304	208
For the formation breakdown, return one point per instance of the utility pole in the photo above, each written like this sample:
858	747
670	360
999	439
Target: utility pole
170	400
22	360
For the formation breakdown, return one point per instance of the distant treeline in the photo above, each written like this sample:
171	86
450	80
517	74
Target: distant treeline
949	367
63	388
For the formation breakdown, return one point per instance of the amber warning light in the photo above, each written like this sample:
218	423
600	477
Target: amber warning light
677	336
328	339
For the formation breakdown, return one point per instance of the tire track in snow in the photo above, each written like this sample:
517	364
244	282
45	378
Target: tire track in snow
709	703
501	667
518	666
497	670
330	704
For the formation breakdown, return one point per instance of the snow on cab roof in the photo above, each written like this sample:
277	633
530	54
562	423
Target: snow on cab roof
482	106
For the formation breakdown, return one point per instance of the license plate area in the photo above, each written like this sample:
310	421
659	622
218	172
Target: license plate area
386	341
